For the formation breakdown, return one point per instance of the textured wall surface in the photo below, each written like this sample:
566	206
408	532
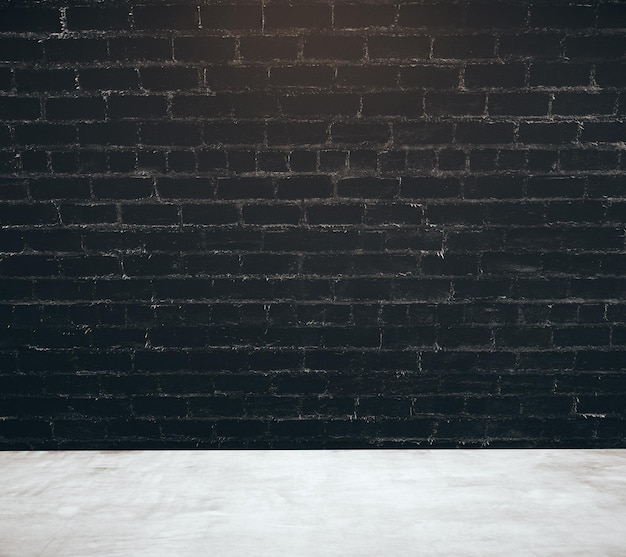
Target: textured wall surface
316	224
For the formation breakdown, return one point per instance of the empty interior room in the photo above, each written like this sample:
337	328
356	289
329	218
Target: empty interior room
312	256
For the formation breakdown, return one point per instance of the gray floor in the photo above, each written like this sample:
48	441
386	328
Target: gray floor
313	503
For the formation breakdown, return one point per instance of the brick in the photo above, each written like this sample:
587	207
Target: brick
499	187
236	77
108	79
537	238
209	214
404	47
11	189
240	16
562	16
506	263
382	213
255	105
444	15
64	161
19	108
610	74
299	161
241	161
451	159
30	19
525	336
536	45
363	160
355	16
167	133
611	16
455	213
122	188
165	17
45	80
204	48
76	108
334	213
116	161
538	132
578	159
154	161
320	103
97	18
150	214
392	161
39	213
269	48
507	159
268	264
494	75
484	132
136	106
285	16
88	214
201	106
169	78
233	132
582	336
20	49
602	47
518	104
556	186
245	188
483	160
558	74
489	15
108	133
464	46
430	187
599	288
53	240
185	188
583	103
393	104
541	160
272	161
360	133
334	47
301	76
6	76
445	103
412	133
304	187
29	265
271	214
575	211
513	213
75	50
599	186
608	132
60	188
333	161
43	133
377	188
436	77
140	48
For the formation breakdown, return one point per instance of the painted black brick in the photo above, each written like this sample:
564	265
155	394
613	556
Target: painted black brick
326	224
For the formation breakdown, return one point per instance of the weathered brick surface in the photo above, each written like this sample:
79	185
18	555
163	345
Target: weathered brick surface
339	223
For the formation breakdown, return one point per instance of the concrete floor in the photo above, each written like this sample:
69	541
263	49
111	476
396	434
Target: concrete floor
313	503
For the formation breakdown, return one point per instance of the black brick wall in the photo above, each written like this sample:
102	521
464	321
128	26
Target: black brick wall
320	224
